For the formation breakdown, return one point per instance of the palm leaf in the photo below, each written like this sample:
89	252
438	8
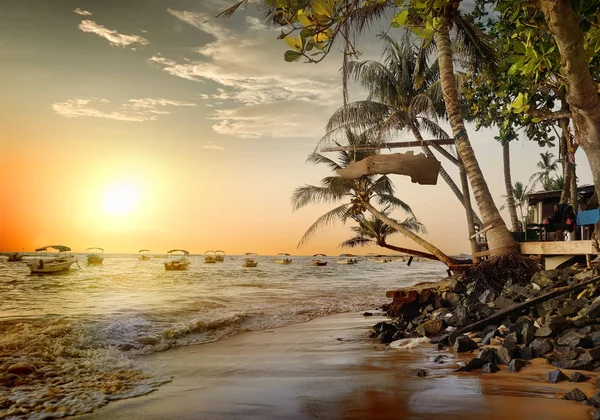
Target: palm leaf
338	213
311	194
356	242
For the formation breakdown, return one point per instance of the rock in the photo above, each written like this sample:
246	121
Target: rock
552	327
459	318
516	365
464	343
421	373
367	314
542	279
490	368
575	395
488	355
452	299
487	296
513	337
430	328
584	275
505	354
487	339
503	303
149	340
528	332
575	339
556	376
386	337
595	337
562	353
590	355
440	359
592	311
541	346
596	414
594	400
579	377
21	368
526	353
568	310
475	363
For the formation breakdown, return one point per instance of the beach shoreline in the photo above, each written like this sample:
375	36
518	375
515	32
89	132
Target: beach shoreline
329	368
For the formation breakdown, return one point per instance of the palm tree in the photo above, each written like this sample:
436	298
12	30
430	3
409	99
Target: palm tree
374	231
510	199
400	97
520	193
355	195
547	165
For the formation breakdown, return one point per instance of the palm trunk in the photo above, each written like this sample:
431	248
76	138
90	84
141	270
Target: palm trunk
447	178
499	238
582	91
406	232
408	251
510	197
564	160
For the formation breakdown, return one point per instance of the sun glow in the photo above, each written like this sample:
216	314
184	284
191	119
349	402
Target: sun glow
121	198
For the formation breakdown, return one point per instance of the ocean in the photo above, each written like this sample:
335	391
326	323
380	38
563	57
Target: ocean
72	342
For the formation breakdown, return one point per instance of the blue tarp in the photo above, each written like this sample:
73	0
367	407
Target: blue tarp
588	217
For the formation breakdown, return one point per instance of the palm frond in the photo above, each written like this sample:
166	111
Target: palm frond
337	214
473	43
414	225
356	242
311	194
227	13
319	158
385	199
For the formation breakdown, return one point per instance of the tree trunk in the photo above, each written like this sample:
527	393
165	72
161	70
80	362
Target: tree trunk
409	251
464	182
445	176
564	160
582	91
510	197
500	240
401	229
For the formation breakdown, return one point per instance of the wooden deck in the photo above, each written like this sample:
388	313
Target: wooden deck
559	248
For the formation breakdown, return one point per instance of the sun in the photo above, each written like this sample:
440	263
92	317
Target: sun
121	198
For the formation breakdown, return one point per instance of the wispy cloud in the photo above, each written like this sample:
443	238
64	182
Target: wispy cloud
113	37
183	70
144	109
212	146
201	21
82	12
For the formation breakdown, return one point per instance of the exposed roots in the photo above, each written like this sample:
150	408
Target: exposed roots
493	274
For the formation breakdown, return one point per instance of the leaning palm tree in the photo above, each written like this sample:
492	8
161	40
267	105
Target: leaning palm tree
400	98
355	195
547	166
373	231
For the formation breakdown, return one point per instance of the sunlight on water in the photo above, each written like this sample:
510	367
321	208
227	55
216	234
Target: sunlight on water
70	343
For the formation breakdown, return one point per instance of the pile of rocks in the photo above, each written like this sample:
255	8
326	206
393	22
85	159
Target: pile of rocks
565	329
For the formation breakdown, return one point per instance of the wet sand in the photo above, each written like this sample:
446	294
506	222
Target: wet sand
329	369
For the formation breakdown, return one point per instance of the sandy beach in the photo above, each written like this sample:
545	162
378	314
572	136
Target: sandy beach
329	368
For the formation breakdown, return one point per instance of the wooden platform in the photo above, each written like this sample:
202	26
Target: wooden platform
559	248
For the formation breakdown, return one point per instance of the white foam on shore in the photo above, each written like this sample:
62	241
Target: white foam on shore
407	343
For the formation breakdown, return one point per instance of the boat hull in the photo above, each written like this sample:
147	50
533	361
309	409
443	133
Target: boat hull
15	256
283	261
144	258
346	261
319	263
176	265
95	259
56	265
210	260
250	263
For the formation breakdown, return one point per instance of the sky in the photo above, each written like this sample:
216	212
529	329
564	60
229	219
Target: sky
151	124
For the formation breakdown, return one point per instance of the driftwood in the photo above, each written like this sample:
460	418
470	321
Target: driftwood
516	309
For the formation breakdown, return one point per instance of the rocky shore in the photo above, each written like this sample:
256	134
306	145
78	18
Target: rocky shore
554	316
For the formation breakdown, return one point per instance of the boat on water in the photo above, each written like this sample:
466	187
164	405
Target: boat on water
319	262
210	258
383	260
347	260
282	258
95	256
220	255
15	256
144	255
177	260
250	260
42	263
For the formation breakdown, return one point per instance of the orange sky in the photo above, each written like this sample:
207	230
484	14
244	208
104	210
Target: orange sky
204	124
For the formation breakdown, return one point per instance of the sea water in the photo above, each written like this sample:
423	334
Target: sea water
72	342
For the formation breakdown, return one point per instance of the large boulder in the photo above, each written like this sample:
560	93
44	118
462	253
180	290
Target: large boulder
575	395
575	339
562	353
430	328
552	327
556	376
541	346
463	344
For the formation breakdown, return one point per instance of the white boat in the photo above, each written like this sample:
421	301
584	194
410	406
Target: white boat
42	263
210	258
143	255
15	256
250	260
220	255
177	260
349	260
95	258
282	258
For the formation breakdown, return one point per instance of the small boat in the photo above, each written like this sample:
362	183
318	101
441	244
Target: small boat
348	260
42	263
145	256
383	260
95	258
318	262
220	255
210	258
250	260
177	260
15	256
282	258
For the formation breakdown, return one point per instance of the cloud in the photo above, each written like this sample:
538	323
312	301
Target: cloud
203	22
185	71
255	24
145	109
212	146
113	37
82	12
